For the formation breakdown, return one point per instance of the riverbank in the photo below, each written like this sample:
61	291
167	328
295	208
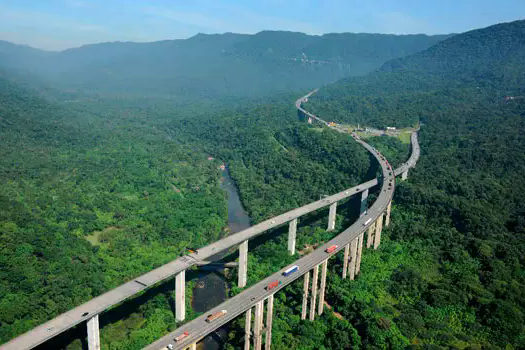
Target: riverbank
211	287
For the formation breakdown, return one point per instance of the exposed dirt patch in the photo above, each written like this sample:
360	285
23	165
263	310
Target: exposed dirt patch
307	248
99	237
336	314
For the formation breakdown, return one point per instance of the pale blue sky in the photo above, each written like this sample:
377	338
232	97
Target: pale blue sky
59	24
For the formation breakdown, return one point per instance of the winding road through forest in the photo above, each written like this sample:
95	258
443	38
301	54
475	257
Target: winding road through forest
237	305
199	328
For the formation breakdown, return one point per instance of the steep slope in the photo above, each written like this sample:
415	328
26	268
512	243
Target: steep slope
94	193
12	55
495	53
461	210
488	62
211	65
81	203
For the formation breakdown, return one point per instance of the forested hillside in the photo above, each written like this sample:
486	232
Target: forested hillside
451	272
494	54
97	189
480	65
213	65
87	203
277	163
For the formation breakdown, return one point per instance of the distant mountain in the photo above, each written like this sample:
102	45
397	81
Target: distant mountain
12	55
225	64
495	53
463	203
487	61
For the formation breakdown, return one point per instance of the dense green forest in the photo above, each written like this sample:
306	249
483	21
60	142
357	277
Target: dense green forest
278	168
449	273
97	189
87	203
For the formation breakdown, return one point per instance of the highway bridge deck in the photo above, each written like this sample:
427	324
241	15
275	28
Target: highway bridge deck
199	327
119	294
242	301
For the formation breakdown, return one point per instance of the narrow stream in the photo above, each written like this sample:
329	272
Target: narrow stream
211	287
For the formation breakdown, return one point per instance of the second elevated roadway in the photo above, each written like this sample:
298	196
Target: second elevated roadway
199	327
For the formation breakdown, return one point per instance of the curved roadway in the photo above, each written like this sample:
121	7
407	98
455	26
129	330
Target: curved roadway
414	156
99	304
199	328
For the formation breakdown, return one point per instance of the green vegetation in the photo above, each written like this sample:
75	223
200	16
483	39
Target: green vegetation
393	149
85	206
98	189
450	269
458	221
278	170
98	192
404	136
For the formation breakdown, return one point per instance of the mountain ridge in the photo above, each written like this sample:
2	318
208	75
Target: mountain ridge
214	64
463	203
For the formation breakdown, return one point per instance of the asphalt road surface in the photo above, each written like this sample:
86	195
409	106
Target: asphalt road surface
199	328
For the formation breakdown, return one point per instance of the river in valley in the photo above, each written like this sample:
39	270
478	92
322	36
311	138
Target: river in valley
211	287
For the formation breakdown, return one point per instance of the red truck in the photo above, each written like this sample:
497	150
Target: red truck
331	248
216	315
182	336
273	284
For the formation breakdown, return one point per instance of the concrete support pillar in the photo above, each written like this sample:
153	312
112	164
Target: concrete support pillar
387	216
247	329
243	264
359	253
370	236
193	346
331	216
180	296
313	297
306	286
93	333
404	175
345	260
324	267
269	317
257	326
379	227
292	230
353	258
364	202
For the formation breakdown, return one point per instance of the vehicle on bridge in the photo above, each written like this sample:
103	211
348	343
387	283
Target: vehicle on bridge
291	270
182	336
367	222
331	248
273	284
216	315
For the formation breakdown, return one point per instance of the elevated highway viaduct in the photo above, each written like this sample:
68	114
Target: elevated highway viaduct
350	240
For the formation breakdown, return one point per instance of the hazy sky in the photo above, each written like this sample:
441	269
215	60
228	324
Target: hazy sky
59	24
